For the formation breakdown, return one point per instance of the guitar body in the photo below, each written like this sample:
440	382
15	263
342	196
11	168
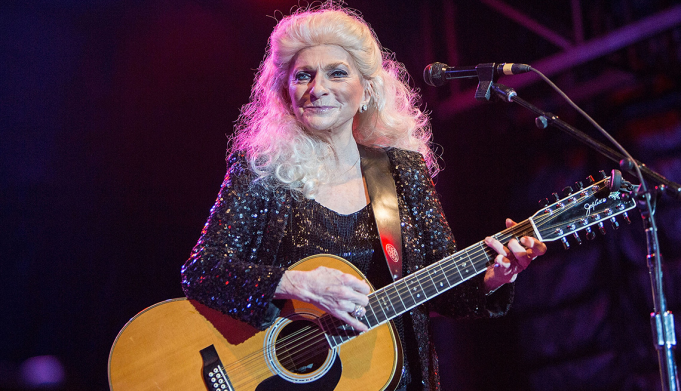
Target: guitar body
159	349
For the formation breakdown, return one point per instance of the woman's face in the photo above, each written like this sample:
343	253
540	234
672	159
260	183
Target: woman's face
325	88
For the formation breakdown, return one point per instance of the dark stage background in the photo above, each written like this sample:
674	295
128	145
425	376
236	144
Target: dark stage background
114	117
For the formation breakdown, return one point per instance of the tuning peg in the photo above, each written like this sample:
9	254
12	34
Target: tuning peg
579	185
614	223
567	191
625	216
566	245
590	235
603	174
556	196
541	122
577	238
590	180
544	202
601	228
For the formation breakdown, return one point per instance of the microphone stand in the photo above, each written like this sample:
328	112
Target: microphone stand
662	320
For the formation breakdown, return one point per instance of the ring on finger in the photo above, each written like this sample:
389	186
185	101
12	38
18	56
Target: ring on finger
359	311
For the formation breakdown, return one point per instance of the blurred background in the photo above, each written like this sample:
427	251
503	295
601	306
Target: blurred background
114	118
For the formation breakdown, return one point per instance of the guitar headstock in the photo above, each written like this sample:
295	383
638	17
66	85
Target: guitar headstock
584	209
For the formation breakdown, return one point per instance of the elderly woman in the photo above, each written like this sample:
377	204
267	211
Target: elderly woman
294	188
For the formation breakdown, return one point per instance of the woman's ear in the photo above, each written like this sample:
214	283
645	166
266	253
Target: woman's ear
367	93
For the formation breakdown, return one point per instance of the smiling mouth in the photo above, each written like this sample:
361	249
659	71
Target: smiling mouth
319	109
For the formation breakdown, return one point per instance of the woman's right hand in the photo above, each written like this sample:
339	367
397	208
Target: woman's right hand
328	289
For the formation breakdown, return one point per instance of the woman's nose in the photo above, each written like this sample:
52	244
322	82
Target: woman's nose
318	87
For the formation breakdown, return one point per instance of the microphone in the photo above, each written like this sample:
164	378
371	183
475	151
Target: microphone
437	73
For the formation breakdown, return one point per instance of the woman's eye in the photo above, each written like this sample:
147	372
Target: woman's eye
339	73
301	76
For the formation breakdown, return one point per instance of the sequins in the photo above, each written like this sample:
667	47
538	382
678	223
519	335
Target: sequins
237	263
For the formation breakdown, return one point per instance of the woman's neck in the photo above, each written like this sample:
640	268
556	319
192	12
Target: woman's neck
346	151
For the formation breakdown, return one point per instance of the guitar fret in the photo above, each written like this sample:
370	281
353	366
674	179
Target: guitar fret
441	280
468	255
445	274
488	253
432	281
375	307
378	302
456	264
416	289
457	274
397	303
343	327
324	323
465	267
386	304
330	330
372	313
401	287
427	286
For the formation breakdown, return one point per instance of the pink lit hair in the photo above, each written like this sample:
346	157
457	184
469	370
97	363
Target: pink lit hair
278	148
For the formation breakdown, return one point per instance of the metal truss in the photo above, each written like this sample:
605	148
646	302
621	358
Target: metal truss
574	52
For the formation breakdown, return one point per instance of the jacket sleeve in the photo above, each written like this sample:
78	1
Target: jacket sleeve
429	237
223	271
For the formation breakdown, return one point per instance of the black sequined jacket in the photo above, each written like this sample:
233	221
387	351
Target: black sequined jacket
233	267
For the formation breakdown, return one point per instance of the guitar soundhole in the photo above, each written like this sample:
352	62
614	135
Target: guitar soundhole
301	347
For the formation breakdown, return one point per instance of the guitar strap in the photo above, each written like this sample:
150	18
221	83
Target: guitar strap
383	196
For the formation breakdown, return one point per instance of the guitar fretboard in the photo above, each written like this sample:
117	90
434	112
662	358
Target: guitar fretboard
417	288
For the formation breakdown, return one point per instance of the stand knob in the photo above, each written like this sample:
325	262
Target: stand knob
615	180
541	122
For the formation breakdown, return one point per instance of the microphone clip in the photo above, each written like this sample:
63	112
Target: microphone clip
487	75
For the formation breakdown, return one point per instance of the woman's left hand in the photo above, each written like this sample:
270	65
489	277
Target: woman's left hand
511	260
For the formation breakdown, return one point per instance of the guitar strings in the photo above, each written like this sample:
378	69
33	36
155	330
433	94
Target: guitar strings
338	322
525	230
286	348
293	355
286	345
438	278
522	229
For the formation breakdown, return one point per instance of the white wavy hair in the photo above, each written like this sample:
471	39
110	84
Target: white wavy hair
279	149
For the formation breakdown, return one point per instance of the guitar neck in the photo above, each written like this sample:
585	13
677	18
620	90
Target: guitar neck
583	209
415	289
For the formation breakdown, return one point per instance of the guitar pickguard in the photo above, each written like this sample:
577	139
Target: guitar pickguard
327	382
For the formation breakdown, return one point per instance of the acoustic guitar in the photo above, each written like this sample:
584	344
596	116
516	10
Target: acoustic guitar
183	345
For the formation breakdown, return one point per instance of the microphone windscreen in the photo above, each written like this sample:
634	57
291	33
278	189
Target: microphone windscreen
434	74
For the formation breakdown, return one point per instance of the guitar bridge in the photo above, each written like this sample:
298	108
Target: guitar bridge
214	374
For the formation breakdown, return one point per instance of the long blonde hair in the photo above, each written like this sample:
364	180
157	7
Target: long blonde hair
278	148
